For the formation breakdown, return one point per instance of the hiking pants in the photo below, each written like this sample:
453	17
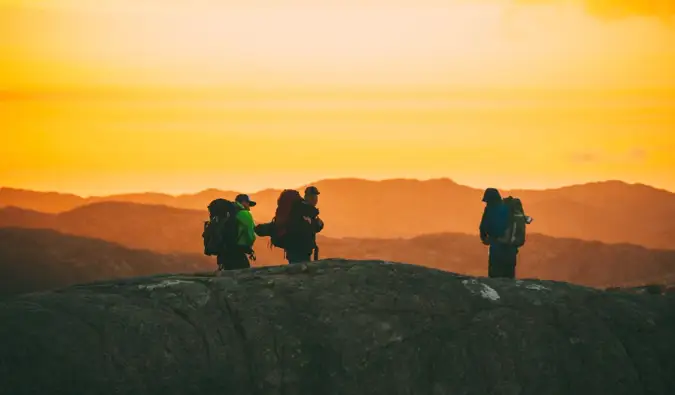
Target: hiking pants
298	256
502	261
233	260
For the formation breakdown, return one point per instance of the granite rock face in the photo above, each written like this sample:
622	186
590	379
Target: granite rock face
654	289
336	327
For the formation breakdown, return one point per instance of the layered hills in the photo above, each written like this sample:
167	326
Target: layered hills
611	212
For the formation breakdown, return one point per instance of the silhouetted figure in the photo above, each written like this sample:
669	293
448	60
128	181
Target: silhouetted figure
238	257
493	228
305	224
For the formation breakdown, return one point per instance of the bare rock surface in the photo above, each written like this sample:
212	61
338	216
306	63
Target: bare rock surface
336	327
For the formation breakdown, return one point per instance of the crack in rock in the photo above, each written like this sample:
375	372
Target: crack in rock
163	284
533	287
537	287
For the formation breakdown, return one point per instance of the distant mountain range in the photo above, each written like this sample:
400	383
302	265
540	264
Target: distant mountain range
158	228
38	259
581	262
611	212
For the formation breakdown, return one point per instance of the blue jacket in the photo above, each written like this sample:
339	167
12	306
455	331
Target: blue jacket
494	222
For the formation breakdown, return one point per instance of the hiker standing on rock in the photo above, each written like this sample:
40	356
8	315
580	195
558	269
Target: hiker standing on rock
312	199
502	227
295	225
304	224
238	257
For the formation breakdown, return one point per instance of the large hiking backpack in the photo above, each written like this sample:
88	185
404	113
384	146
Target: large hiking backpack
282	216
516	228
220	231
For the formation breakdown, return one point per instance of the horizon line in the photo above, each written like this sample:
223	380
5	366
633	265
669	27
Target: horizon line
325	88
374	180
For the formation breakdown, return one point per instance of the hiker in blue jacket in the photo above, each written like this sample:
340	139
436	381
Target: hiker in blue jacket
493	225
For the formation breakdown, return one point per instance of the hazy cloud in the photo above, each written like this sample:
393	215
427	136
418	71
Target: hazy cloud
637	154
584	157
587	157
618	8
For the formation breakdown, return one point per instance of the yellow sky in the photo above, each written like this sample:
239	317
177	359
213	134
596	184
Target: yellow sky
119	95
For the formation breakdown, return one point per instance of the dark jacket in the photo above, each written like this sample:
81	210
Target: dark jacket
494	222
302	233
495	218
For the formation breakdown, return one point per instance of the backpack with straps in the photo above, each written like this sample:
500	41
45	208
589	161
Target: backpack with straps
220	231
287	200
515	234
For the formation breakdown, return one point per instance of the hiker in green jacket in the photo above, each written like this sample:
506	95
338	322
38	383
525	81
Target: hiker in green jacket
238	258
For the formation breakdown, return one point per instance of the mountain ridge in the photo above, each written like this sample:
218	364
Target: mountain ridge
612	212
44	256
31	219
216	191
34	260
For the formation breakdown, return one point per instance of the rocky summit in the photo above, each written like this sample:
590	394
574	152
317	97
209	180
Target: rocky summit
337	327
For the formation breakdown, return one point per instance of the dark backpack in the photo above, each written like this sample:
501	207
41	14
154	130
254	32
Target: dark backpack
517	223
220	231
287	201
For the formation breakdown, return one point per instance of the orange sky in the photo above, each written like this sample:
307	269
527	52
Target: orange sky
122	95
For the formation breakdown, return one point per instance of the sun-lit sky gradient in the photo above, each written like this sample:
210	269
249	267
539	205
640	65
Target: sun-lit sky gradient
127	95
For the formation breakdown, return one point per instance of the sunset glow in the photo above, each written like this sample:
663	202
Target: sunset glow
118	95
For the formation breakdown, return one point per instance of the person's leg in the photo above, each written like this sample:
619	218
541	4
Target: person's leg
225	261
510	259
240	261
233	260
499	263
292	257
297	256
220	260
493	271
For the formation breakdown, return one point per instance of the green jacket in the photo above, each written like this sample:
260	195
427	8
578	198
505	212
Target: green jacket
245	227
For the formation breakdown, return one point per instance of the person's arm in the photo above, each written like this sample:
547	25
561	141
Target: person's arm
318	225
246	229
483	229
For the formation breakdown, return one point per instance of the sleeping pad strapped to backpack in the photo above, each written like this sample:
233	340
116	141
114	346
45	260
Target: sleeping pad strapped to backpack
220	231
282	216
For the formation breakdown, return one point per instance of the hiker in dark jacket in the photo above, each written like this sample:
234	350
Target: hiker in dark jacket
305	225
238	257
493	225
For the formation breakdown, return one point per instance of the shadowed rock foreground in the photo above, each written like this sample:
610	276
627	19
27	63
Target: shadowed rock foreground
336	327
